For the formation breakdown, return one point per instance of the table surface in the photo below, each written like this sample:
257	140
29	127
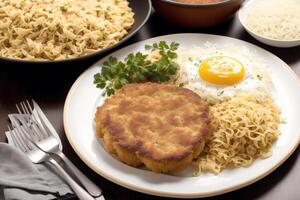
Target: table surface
49	87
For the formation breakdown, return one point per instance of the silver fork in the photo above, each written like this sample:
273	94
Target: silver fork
46	141
23	142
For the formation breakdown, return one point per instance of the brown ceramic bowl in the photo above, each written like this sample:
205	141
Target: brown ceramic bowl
196	15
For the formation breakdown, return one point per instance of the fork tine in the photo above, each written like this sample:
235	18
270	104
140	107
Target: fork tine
9	137
18	109
39	131
21	134
18	120
15	140
29	106
48	127
25	110
42	132
35	132
25	132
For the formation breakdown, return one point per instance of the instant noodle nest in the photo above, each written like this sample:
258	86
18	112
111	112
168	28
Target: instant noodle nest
244	129
61	29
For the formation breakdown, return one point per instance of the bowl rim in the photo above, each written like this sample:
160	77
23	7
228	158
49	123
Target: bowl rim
84	57
242	21
181	4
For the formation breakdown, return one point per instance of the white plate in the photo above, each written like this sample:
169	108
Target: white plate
83	98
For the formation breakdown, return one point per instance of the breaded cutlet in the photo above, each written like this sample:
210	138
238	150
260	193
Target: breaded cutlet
159	125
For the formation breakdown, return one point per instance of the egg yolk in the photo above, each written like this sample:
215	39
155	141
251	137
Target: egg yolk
221	70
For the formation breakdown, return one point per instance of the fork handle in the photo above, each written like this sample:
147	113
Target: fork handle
79	191
91	187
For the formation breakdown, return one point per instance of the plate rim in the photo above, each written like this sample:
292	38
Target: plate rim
174	194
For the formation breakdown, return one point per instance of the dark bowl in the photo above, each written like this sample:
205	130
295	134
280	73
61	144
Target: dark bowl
196	15
142	11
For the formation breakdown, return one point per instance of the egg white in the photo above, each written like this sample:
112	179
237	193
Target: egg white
256	81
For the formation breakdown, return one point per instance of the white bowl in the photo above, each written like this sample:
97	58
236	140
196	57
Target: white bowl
261	38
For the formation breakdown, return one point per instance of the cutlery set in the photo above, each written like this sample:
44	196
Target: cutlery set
32	133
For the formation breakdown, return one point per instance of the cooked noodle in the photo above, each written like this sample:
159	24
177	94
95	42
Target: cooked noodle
243	130
60	29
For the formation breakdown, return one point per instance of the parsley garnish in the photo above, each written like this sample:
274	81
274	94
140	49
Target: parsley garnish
181	85
136	68
63	9
259	77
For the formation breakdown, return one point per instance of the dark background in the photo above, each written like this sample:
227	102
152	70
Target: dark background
49	85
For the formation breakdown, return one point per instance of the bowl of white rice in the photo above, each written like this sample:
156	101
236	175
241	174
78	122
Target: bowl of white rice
273	22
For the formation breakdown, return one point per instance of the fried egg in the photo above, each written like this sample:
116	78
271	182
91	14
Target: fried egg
218	73
221	70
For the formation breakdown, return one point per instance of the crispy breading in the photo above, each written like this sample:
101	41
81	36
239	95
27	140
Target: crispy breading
159	125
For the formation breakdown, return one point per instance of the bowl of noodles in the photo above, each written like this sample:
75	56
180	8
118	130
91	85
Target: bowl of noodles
41	32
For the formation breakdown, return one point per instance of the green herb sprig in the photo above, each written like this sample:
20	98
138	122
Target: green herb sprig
136	68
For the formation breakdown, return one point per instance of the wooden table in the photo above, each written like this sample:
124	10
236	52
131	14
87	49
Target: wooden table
49	86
